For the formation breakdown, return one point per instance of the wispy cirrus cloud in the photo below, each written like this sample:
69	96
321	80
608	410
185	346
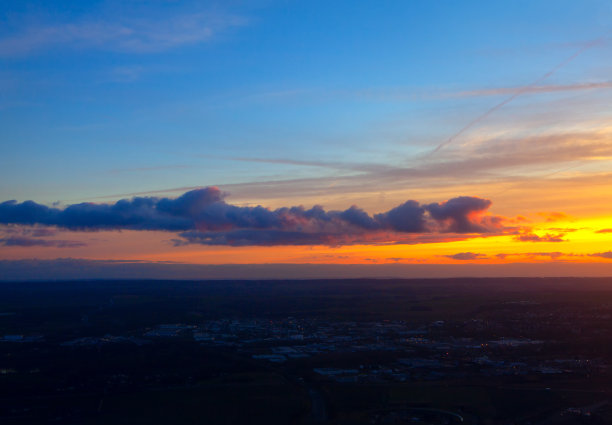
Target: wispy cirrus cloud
515	94
551	88
510	159
404	94
132	35
336	165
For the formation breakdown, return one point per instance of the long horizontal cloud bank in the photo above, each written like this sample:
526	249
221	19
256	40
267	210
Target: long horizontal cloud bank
202	216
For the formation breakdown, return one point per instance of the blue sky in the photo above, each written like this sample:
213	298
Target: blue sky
424	132
106	98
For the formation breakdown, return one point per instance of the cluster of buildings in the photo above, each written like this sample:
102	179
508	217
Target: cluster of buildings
436	350
426	352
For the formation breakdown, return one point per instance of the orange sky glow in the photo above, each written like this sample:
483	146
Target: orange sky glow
489	147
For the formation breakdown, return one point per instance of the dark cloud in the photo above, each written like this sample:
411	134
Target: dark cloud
604	231
202	216
458	214
41	232
34	232
29	242
553	255
246	237
532	237
464	256
26	236
139	213
408	217
358	217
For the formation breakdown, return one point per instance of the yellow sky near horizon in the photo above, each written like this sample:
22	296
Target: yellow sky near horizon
580	243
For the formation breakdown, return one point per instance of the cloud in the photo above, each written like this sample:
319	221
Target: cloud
607	254
511	160
335	165
35	232
604	231
404	93
532	237
465	256
202	216
553	216
34	236
29	242
248	237
459	215
552	255
408	217
40	232
513	95
552	88
133	34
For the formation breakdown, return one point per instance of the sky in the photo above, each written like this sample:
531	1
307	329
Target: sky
286	138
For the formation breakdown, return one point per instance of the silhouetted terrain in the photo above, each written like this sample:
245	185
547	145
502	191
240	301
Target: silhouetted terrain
477	351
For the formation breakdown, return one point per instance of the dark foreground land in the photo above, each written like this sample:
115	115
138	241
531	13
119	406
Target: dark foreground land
473	351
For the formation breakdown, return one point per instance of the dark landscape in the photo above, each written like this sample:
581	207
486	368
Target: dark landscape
473	351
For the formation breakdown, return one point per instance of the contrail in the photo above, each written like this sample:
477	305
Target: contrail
516	94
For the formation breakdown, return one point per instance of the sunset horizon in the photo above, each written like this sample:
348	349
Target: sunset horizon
286	212
223	134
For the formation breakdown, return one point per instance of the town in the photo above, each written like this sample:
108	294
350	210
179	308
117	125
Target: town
546	350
